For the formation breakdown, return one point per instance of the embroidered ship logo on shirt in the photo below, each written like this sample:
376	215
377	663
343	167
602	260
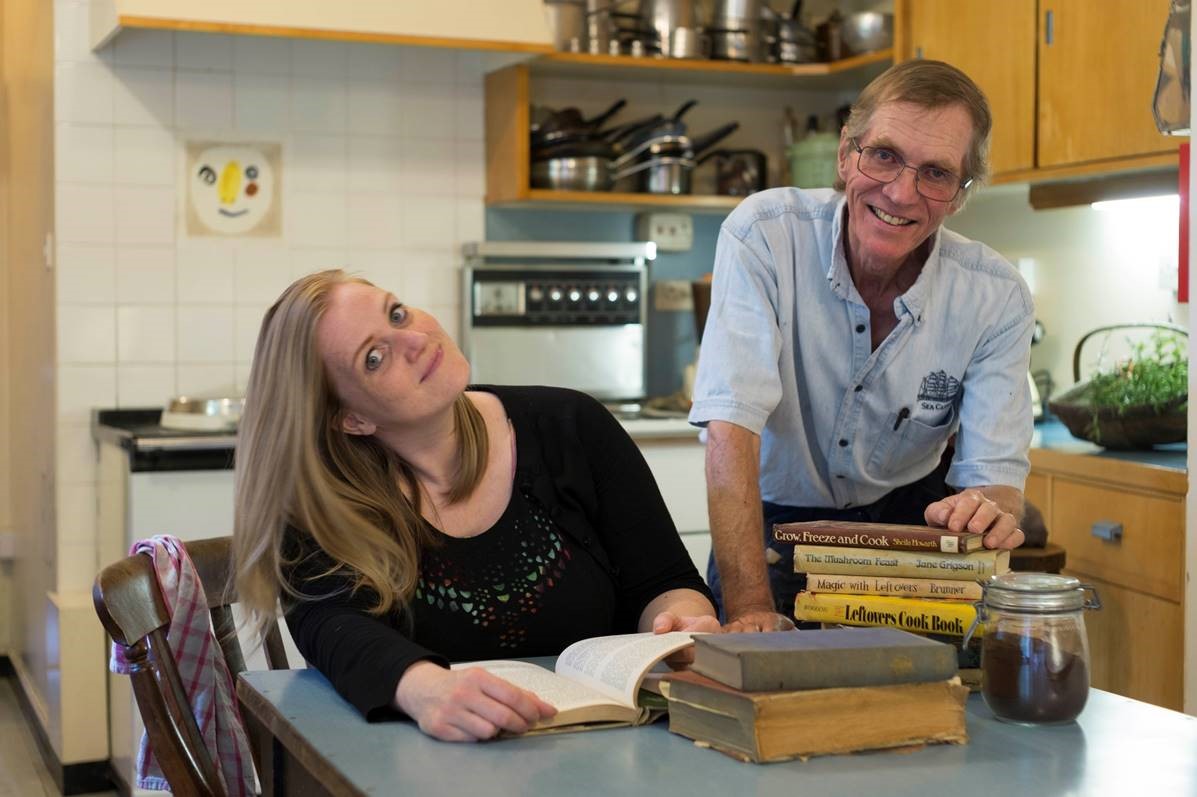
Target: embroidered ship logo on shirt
938	390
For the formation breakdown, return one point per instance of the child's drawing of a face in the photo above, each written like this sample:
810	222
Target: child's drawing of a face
232	188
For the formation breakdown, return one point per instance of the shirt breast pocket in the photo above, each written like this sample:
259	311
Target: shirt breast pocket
914	442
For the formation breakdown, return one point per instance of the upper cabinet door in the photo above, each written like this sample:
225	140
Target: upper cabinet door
1098	63
994	44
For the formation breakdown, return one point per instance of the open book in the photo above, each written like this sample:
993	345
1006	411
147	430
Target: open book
596	681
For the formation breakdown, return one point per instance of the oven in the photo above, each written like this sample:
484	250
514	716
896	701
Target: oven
557	313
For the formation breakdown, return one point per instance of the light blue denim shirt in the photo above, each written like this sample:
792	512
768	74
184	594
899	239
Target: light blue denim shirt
787	354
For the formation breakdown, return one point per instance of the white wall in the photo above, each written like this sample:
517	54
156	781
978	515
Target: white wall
1092	268
383	174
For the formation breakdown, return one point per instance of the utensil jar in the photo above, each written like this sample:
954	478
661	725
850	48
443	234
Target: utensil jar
1034	648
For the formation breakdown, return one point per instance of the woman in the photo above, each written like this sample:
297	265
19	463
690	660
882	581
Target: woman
405	521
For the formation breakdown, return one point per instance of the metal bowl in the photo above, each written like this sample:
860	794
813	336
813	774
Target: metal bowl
867	31
202	414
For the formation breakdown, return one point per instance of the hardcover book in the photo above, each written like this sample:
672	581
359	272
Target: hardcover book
895	587
596	682
952	618
821	659
892	536
778	726
906	564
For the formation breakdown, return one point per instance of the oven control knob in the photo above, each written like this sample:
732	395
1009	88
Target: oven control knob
555	294
575	295
592	295
630	295
536	294
613	296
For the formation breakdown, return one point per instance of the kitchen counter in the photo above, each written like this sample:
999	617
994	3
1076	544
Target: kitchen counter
151	447
1053	436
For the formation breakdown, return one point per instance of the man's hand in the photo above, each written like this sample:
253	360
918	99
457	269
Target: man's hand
466	705
665	622
759	621
971	510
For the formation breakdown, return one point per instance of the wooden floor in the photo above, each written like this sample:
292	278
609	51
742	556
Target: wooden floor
22	772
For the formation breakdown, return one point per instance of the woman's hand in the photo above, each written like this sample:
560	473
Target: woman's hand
466	705
665	622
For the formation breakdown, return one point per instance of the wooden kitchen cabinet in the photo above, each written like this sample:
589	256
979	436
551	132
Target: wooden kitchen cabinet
1137	639
994	44
1097	75
1075	102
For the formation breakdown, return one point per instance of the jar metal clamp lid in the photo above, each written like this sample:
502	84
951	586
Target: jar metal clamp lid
1032	593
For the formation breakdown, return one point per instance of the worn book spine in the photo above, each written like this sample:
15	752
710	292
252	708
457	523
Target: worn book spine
905	564
951	618
879	535
895	587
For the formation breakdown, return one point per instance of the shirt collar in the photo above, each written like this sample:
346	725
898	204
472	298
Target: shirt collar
839	278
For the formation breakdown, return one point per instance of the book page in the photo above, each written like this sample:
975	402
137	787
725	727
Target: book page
615	665
562	693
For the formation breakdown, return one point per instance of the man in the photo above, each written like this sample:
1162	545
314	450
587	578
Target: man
849	337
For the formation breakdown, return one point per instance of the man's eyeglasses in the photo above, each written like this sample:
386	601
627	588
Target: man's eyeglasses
885	166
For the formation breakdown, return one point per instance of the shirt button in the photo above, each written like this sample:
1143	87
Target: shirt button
839	475
586	541
860	327
858	388
843	443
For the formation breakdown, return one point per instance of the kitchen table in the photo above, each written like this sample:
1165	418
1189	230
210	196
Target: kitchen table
318	744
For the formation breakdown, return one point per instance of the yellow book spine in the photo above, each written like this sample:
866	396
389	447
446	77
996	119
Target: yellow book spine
830	560
910	614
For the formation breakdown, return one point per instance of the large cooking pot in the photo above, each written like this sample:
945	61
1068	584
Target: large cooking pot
574	166
675	27
585	173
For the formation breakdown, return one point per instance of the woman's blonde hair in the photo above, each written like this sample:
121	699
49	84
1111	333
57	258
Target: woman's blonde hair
295	466
929	84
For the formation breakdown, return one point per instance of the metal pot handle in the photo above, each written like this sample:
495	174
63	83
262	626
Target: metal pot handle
631	155
1076	354
639	167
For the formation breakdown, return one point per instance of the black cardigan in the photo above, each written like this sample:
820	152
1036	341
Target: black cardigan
575	459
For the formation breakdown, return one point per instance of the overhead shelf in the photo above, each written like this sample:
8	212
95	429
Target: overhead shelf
509	99
611	200
849	72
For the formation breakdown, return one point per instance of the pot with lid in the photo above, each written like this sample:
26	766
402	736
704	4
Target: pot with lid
1034	646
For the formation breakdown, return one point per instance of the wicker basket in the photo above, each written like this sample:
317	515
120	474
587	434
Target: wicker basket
1135	427
1130	428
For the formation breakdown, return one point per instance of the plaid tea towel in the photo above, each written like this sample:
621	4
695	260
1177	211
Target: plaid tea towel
205	676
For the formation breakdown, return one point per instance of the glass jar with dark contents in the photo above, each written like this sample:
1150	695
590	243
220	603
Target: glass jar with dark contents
1034	648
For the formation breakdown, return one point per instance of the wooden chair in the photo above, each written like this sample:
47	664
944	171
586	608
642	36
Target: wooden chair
131	607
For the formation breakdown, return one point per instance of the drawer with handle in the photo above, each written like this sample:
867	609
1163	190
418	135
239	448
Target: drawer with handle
1130	539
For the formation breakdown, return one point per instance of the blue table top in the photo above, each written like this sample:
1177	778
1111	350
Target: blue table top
1052	435
1117	746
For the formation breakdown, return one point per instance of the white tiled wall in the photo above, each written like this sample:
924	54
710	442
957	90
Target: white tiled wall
383	171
